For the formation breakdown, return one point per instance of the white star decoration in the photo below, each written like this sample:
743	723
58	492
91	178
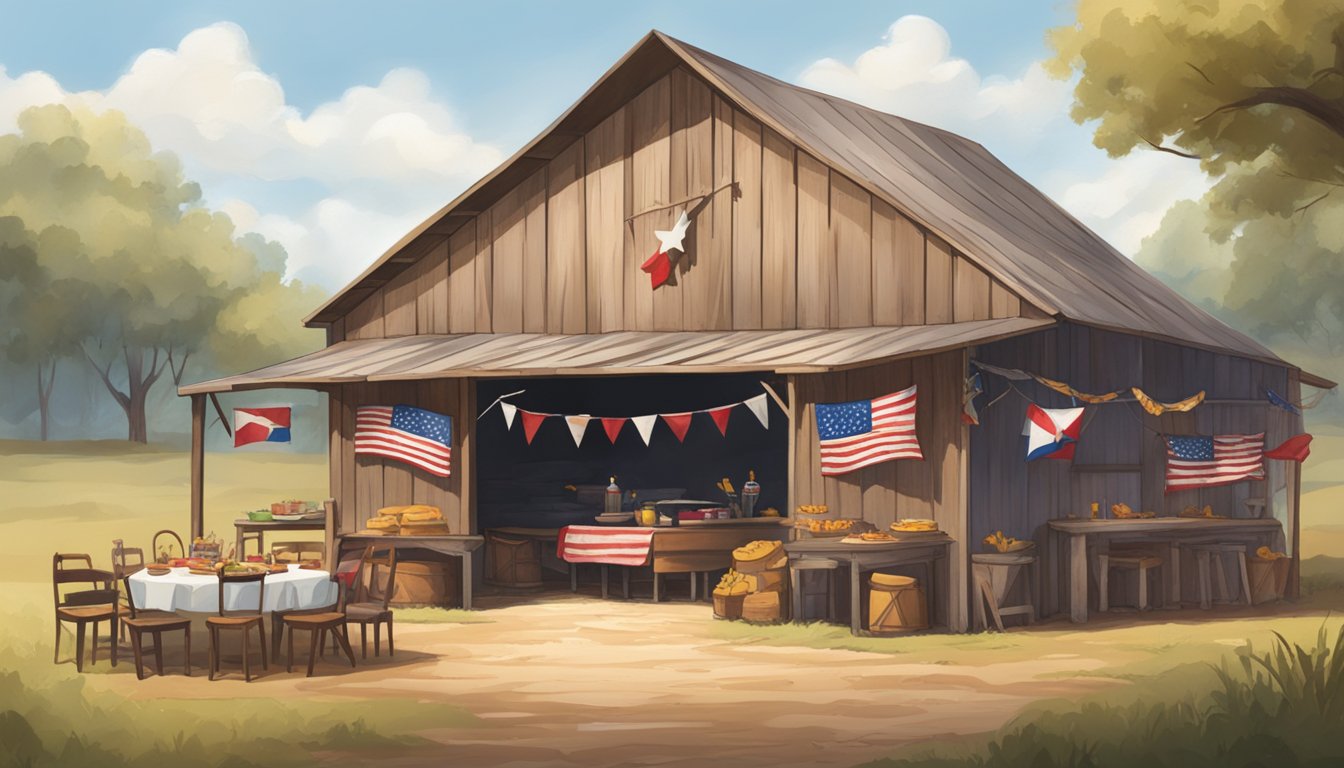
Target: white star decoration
672	238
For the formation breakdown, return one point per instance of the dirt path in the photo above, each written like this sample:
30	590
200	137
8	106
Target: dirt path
583	682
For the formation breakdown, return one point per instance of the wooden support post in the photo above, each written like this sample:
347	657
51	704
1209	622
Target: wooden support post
197	466
794	480
1294	589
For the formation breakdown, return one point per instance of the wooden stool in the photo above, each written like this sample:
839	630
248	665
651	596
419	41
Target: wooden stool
995	573
1141	562
1204	553
822	564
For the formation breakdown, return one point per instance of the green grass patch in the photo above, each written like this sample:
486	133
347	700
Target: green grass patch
49	716
430	615
1281	706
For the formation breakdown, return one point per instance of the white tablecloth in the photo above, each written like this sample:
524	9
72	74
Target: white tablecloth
182	590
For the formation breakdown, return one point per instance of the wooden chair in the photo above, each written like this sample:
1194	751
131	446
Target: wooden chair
83	607
242	620
318	624
125	561
994	574
298	551
175	539
825	566
155	623
370	603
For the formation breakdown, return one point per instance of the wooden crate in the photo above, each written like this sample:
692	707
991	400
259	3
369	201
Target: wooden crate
1269	578
512	563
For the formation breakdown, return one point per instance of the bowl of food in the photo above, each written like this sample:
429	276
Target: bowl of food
158	570
260	516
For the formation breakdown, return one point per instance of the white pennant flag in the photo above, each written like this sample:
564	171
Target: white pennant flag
577	426
760	408
645	426
510	411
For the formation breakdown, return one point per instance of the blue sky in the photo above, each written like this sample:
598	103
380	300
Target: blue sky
334	127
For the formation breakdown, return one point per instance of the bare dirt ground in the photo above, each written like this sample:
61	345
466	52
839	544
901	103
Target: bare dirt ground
577	681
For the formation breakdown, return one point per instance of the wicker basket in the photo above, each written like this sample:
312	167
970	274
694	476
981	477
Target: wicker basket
728	606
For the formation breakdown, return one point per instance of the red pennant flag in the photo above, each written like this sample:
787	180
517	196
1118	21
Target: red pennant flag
679	423
1296	448
531	422
659	267
613	428
720	417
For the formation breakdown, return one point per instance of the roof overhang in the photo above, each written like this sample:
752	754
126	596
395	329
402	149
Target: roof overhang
485	355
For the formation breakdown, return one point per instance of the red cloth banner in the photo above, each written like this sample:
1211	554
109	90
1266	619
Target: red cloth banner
531	422
612	426
1296	448
720	417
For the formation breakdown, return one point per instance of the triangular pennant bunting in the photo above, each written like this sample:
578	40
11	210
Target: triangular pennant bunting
679	423
760	408
645	426
577	426
720	417
612	427
510	411
531	422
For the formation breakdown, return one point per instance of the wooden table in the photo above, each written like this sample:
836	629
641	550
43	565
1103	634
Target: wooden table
1172	531
460	547
928	549
245	526
702	546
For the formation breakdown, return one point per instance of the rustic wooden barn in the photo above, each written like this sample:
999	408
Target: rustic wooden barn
847	252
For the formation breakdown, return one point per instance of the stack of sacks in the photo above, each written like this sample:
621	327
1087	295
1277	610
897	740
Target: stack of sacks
764	568
410	520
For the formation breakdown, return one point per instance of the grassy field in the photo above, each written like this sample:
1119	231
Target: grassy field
78	497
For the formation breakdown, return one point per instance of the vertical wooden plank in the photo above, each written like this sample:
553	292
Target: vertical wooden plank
467	482
746	299
198	466
349	482
970	291
534	252
779	233
365	321
1003	302
399	303
566	289
485	305
368	469
431	302
335	467
509	231
697	279
462	280
650	187
852	243
938	281
815	263
604	192
717	259
795	416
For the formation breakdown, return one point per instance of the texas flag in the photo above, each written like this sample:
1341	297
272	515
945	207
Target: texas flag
1052	433
260	425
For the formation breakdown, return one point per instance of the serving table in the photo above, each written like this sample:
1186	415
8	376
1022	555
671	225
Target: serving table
929	549
460	546
1174	532
244	526
181	590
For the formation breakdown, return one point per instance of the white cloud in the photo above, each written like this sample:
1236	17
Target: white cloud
371	163
1023	119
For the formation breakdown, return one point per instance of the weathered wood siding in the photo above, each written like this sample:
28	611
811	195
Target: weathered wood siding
362	484
783	241
928	489
1122	455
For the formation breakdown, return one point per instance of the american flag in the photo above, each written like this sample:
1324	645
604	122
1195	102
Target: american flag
413	435
1200	461
865	432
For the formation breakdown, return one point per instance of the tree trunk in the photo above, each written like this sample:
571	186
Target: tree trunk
44	397
139	380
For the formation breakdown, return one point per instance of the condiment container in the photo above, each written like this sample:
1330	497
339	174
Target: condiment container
751	492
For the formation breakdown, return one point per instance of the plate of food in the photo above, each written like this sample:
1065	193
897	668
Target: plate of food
814	510
914	525
158	570
833	528
869	537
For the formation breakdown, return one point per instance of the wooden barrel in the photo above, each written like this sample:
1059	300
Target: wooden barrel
512	562
896	604
426	583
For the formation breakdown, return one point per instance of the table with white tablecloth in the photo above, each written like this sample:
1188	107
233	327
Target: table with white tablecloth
182	590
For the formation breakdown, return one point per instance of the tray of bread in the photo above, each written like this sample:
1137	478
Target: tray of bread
869	537
914	525
834	528
408	520
813	510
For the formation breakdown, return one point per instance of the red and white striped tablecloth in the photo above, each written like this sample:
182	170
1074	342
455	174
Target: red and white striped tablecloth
604	544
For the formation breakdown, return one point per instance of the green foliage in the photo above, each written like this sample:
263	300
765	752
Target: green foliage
1280	707
108	256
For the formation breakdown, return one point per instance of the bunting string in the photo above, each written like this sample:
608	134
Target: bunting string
679	422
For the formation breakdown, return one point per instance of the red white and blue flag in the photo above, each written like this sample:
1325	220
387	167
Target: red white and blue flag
866	432
1052	433
406	433
260	425
1201	461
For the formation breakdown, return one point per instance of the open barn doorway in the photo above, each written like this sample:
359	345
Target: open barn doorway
526	492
